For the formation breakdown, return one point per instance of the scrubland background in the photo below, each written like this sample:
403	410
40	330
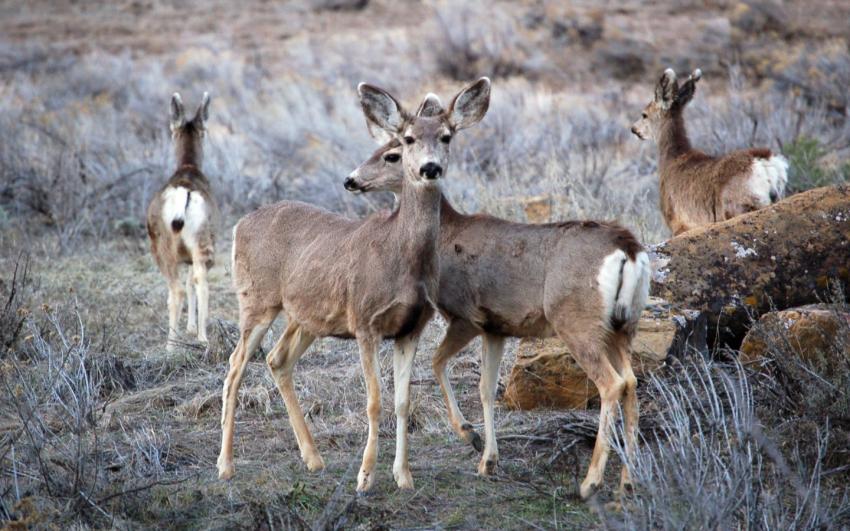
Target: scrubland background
100	427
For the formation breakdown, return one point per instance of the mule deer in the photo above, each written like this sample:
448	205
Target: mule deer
182	218
366	280
585	281
697	189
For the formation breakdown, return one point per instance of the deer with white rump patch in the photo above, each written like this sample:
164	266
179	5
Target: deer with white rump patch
181	222
697	189
585	281
360	279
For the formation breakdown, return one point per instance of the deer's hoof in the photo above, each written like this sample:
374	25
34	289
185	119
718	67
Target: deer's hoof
364	482
225	470
487	467
588	489
403	479
314	463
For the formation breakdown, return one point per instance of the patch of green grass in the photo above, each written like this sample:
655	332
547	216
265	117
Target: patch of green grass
805	157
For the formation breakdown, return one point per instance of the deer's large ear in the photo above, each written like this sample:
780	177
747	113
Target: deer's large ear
203	112
470	105
382	111
177	116
666	90
686	91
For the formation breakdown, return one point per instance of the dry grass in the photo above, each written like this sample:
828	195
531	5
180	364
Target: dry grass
99	426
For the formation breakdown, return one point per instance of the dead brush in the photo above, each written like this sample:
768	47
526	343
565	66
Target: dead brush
53	448
709	459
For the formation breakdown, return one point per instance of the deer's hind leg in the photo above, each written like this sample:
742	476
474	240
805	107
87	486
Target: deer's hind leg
458	335
192	306
281	361
253	327
175	302
621	359
202	261
587	341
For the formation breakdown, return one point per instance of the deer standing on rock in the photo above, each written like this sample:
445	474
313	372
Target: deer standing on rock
181	222
360	279
697	189
585	281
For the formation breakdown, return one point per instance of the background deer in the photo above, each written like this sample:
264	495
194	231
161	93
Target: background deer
182	219
587	282
697	189
367	280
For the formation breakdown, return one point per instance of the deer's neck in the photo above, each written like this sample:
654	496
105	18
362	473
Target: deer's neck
187	150
418	226
672	139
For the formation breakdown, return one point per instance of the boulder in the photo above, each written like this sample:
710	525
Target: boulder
545	373
813	333
789	254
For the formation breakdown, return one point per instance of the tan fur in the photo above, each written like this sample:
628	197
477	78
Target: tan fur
331	276
695	188
171	248
499	279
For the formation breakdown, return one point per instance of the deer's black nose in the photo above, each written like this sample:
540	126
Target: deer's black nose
431	170
350	184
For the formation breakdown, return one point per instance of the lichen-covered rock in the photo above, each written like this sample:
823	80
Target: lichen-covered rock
811	333
782	256
545	373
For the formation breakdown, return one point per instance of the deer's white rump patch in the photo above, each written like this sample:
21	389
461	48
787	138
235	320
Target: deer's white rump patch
624	285
768	179
179	203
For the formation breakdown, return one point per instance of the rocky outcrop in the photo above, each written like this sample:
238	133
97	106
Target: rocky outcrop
786	255
811	333
545	373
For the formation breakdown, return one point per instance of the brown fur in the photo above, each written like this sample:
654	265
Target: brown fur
695	188
331	276
170	246
499	278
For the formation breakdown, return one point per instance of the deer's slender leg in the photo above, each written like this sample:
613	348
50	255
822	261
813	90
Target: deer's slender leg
369	360
589	353
199	270
253	331
281	361
404	351
458	335
175	304
491	356
192	307
621	358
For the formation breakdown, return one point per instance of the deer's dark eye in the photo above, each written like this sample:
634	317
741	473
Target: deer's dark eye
392	157
445	139
409	140
644	116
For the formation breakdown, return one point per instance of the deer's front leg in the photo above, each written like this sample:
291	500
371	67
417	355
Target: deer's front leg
369	361
490	359
405	350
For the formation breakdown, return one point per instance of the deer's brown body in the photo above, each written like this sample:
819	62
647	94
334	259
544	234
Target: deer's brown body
695	188
587	282
181	222
368	280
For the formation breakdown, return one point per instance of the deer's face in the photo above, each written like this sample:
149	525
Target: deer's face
669	98
382	172
425	136
425	147
649	122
